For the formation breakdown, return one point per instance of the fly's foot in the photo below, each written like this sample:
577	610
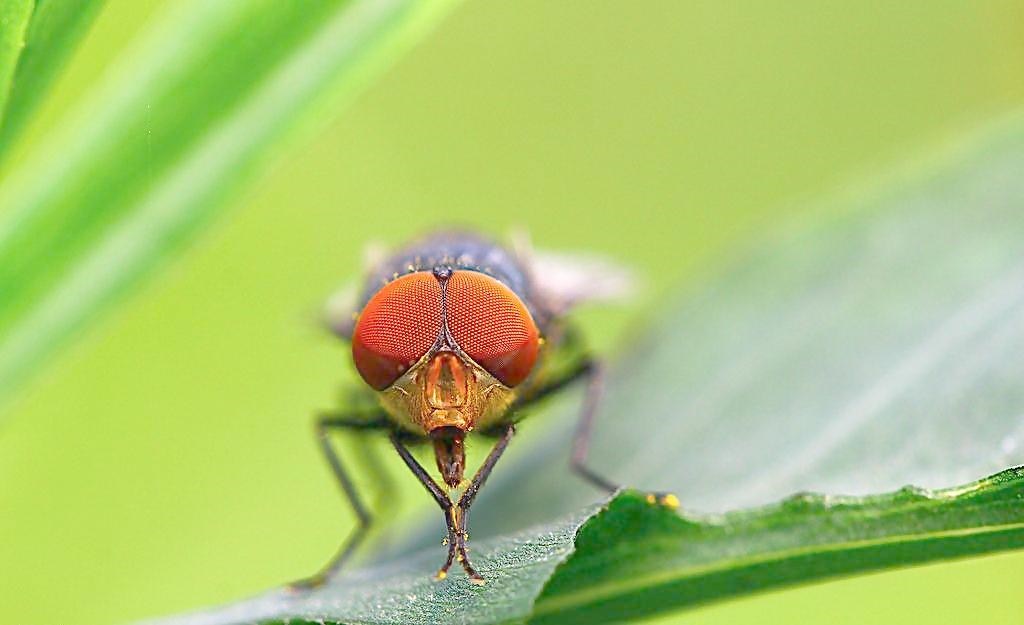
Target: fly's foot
458	552
667	500
474	577
305	585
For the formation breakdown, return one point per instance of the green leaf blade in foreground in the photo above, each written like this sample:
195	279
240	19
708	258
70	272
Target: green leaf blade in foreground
54	30
631	559
635	559
154	151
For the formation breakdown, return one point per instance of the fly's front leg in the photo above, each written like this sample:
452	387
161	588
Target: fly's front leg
455	513
364	518
451	516
467	500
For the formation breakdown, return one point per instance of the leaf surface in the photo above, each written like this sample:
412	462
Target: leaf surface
636	559
853	356
631	558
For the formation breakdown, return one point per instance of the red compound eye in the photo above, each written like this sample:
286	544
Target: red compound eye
397	326
491	324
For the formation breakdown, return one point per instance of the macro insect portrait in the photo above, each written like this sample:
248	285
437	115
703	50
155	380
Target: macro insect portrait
455	335
430	312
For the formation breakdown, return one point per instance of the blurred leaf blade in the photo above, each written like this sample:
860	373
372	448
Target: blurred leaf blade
154	152
631	559
54	30
15	17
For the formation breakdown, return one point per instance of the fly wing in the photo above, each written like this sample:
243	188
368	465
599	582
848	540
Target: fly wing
339	314
341	308
566	280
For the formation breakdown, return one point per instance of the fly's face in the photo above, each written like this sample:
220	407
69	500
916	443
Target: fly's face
447	391
445	349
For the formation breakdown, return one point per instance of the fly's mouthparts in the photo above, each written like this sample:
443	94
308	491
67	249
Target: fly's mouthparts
441	419
451	454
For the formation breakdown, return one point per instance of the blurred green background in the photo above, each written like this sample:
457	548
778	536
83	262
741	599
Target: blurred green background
166	462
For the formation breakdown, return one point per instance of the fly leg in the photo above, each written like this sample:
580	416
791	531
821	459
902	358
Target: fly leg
593	371
455	514
364	519
451	515
467	500
585	429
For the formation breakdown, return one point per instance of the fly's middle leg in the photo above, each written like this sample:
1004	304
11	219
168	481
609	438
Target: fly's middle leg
364	518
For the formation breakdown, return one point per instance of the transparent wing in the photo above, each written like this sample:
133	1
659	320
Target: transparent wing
339	314
566	279
340	309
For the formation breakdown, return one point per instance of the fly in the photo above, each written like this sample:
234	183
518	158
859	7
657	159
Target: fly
455	335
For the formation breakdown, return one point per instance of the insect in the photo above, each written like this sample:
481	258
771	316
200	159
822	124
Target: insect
455	335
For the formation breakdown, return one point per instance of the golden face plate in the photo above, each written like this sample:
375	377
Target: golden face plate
446	389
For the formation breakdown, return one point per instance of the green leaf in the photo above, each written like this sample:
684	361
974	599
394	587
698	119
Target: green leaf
631	559
874	349
517	566
54	29
636	559
877	349
153	151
